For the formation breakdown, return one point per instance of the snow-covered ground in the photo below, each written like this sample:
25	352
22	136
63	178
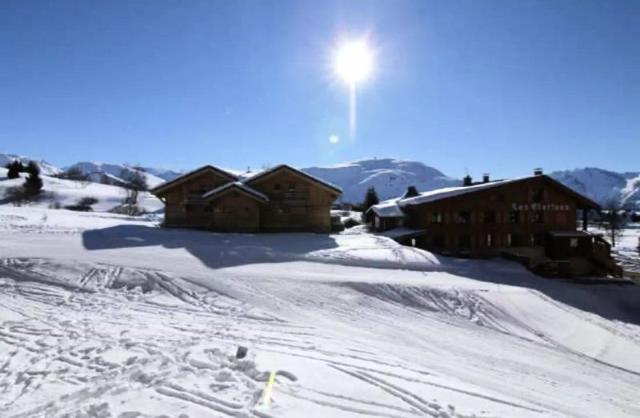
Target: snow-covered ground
627	249
68	192
104	315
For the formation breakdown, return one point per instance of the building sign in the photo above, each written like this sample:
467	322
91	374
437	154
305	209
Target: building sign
544	207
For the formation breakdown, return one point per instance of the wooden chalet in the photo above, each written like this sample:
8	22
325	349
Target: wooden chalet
533	219
279	199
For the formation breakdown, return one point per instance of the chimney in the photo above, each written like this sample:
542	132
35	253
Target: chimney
485	178
411	192
467	180
537	171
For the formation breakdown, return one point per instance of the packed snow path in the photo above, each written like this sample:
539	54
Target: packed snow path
104	316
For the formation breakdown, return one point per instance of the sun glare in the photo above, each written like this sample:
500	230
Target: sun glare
354	61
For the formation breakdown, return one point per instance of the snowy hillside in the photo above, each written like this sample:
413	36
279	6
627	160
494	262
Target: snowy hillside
45	167
390	177
116	173
106	316
165	174
603	185
68	192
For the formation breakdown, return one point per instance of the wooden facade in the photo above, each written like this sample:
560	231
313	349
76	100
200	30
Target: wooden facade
276	200
491	216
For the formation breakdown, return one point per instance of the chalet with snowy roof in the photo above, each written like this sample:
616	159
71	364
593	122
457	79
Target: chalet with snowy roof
532	218
278	199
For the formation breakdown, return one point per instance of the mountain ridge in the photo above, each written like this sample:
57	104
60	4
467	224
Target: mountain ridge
389	176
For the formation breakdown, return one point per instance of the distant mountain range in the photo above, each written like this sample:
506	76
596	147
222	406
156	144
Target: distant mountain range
390	177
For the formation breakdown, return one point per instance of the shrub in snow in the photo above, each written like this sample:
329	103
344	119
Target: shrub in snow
14	168
83	205
73	173
55	205
128	209
33	183
350	223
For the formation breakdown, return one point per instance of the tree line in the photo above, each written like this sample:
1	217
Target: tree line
32	186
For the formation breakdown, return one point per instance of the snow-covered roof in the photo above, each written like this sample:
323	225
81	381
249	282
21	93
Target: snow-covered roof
302	173
235	185
393	208
448	192
388	209
191	173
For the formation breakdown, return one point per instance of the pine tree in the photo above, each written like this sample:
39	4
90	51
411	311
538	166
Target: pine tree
14	169
370	199
33	183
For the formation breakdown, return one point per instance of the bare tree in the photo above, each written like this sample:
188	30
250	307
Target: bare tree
136	182
613	220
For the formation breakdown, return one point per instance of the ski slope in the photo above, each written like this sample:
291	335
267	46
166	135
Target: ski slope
103	315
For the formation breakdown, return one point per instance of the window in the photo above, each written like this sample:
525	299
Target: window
489	240
509	242
292	187
436	217
573	243
464	217
537	195
514	217
276	186
208	209
537	217
489	217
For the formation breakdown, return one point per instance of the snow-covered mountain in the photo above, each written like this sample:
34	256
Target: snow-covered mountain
45	167
116	173
389	176
603	186
163	173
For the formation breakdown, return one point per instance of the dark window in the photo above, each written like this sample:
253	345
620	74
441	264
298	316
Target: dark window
208	209
436	217
517	240
489	217
292	187
276	186
537	195
464	217
514	217
537	217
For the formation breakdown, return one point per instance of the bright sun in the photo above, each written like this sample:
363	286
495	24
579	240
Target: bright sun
354	61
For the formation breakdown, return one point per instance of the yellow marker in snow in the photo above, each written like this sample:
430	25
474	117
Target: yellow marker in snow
266	401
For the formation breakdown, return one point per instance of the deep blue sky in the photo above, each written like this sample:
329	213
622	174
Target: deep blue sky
498	86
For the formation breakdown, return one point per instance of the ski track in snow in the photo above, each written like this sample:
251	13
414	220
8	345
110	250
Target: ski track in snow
88	338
